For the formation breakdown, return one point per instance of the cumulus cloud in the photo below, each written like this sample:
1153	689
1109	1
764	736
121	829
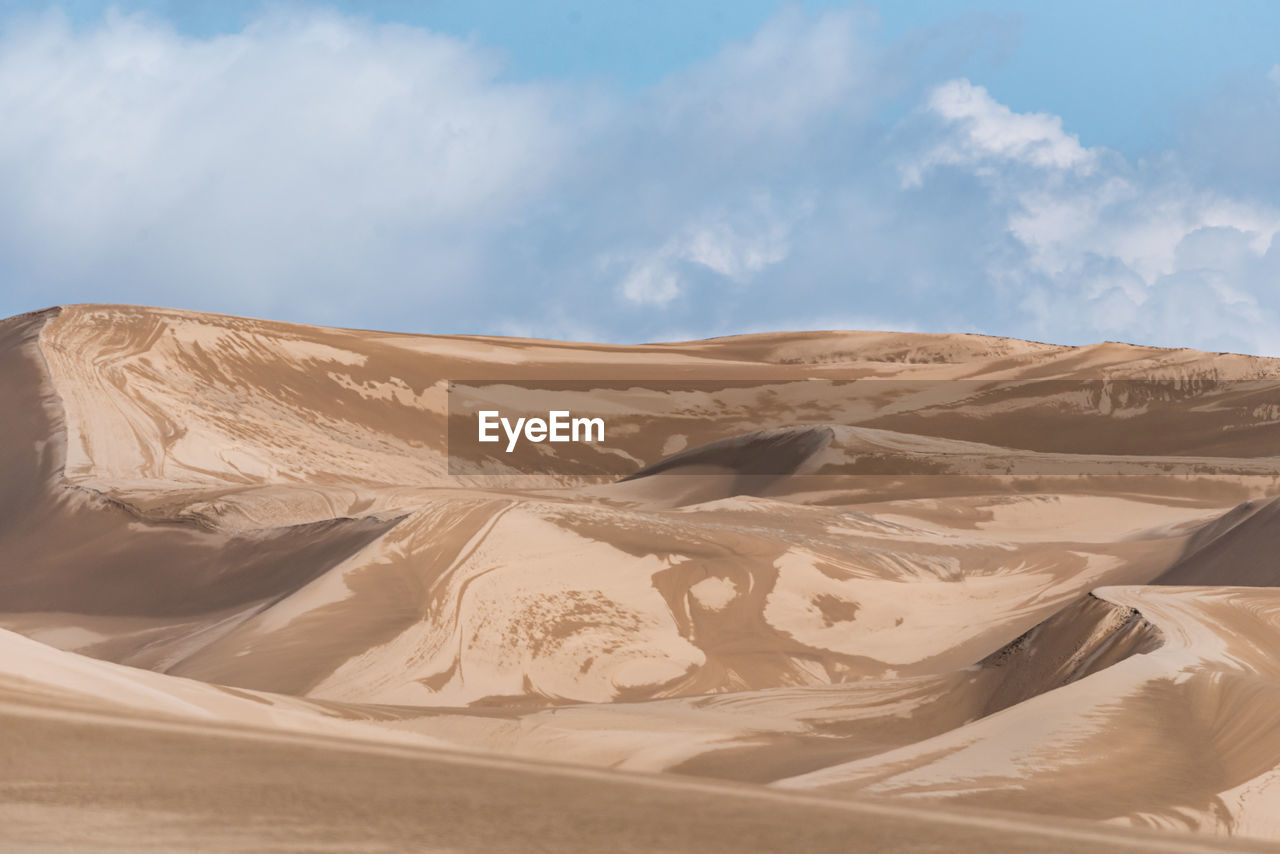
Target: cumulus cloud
322	168
981	130
1139	252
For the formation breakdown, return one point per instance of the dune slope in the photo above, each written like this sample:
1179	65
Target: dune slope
926	569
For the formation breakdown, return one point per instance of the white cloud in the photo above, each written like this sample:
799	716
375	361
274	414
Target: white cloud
734	246
651	282
1137	252
718	247
982	129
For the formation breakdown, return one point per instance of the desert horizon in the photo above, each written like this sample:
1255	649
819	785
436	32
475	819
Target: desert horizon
246	603
727	426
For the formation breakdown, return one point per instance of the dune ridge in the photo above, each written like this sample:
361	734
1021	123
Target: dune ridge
969	592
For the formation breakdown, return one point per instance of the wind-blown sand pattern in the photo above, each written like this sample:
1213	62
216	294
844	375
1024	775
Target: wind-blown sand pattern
244	604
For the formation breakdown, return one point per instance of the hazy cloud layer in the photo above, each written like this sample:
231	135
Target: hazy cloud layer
320	168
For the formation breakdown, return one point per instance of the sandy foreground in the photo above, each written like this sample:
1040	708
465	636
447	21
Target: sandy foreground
252	598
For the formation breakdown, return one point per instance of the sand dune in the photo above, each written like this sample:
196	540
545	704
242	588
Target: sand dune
903	589
1197	704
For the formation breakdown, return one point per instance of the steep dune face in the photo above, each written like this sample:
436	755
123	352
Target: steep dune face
72	549
1081	639
1180	735
1240	548
32	456
256	524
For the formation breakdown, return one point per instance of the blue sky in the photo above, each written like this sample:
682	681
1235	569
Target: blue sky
633	171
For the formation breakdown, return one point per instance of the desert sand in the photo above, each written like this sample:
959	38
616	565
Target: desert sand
252	597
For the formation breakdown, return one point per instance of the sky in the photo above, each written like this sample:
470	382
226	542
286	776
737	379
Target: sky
634	171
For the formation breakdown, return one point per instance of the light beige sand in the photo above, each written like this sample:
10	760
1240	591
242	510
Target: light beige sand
235	564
